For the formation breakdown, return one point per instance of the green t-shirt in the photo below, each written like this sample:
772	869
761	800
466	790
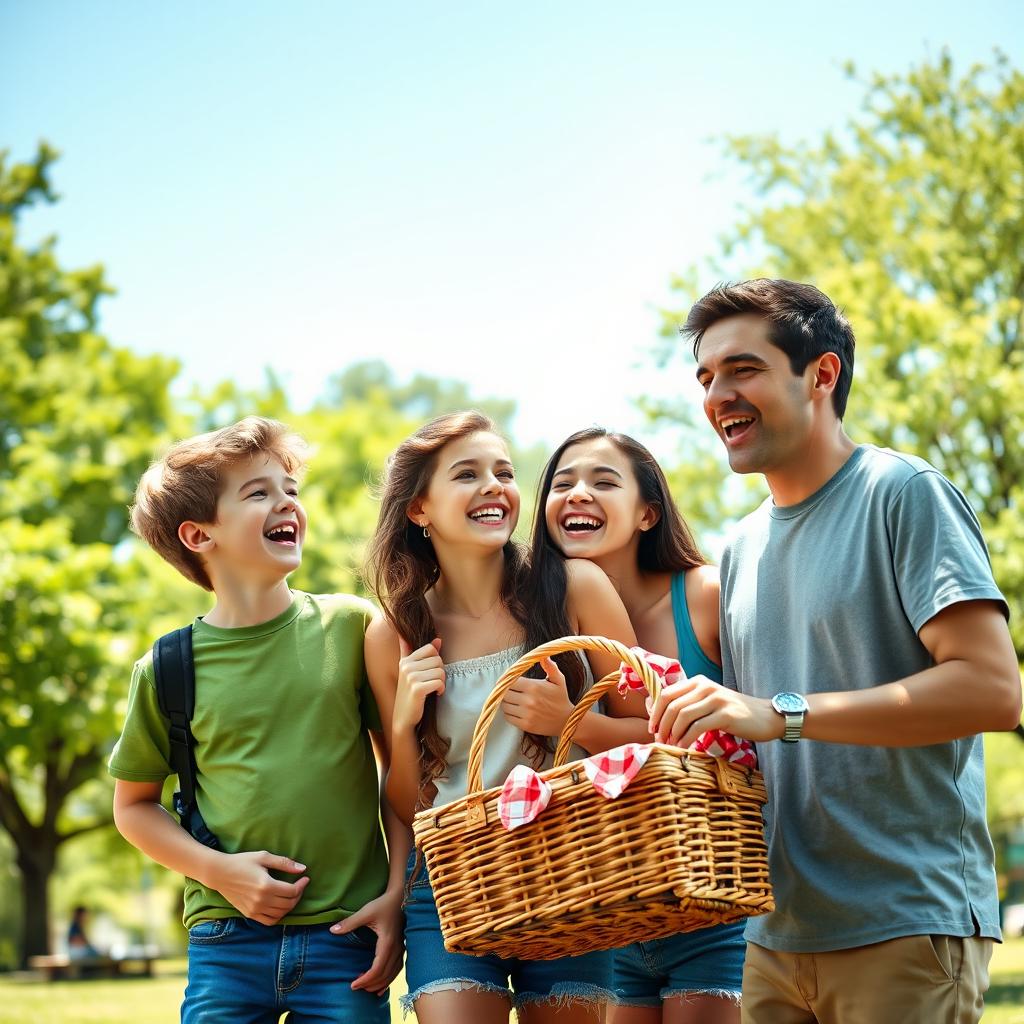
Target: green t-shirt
283	755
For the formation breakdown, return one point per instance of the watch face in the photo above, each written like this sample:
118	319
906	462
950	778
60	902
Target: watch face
791	702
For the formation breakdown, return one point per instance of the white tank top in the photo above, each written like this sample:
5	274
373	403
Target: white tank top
466	688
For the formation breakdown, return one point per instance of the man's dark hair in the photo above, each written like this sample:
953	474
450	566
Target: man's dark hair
802	321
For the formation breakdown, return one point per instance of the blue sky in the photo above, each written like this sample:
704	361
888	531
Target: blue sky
494	193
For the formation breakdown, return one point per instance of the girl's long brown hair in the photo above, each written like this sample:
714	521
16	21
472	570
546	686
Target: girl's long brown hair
401	565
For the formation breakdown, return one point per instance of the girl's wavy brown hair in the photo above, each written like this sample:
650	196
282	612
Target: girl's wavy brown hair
401	565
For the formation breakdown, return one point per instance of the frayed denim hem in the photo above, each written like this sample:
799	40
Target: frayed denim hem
686	994
566	993
407	1002
730	995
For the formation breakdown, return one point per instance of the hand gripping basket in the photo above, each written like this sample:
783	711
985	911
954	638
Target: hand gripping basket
682	848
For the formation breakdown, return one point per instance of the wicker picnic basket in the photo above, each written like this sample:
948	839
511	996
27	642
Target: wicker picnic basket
682	848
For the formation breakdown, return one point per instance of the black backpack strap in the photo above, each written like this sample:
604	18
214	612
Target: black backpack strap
175	676
176	693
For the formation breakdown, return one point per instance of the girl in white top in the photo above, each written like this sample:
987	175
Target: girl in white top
454	589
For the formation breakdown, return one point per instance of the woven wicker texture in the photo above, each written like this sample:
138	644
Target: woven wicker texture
682	848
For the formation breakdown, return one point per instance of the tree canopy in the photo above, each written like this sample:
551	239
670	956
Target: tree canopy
909	218
78	423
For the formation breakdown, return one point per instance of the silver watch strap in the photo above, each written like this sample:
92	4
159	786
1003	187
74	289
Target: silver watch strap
794	727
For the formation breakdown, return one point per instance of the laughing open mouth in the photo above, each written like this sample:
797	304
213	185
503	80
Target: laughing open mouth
283	534
490	514
581	524
735	425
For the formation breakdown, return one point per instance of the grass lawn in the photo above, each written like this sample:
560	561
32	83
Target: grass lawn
1004	1003
119	1001
156	1000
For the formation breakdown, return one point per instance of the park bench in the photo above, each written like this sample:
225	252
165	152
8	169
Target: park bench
58	966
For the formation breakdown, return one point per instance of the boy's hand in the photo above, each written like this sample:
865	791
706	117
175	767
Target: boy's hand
246	883
384	916
420	673
540	706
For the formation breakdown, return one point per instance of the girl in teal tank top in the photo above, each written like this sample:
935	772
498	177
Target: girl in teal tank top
604	498
689	651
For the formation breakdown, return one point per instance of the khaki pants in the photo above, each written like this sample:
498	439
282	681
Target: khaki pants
919	979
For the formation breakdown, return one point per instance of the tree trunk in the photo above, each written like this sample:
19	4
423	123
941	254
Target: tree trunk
36	869
36	844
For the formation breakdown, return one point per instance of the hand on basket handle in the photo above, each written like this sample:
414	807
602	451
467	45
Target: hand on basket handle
420	673
680	716
686	709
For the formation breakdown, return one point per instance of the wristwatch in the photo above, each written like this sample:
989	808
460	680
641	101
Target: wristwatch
792	707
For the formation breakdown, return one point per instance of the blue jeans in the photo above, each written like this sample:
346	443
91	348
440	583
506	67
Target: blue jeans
706	962
250	973
429	967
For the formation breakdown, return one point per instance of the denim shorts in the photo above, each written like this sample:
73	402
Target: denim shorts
429	967
705	962
250	973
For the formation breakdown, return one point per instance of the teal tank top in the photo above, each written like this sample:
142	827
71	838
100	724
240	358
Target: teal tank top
694	661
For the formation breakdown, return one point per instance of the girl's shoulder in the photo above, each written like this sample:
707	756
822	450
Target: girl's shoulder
704	577
380	629
594	605
586	584
380	644
580	572
703	588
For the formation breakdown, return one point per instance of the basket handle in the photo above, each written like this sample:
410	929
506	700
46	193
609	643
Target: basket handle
527	661
587	701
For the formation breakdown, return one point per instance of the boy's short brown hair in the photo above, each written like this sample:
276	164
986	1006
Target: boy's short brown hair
186	483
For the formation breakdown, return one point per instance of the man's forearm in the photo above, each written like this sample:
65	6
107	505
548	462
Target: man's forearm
942	703
939	704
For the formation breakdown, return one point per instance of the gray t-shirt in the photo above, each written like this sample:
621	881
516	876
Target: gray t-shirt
865	843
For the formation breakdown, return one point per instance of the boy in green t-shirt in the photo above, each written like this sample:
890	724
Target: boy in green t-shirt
298	910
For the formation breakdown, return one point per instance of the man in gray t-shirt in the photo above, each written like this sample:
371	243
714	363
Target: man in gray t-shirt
864	648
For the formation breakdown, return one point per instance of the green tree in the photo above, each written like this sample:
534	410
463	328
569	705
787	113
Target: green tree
420	399
78	424
350	441
910	219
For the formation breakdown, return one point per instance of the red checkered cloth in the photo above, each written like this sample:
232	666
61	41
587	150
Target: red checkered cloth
723	744
668	670
714	742
524	795
612	771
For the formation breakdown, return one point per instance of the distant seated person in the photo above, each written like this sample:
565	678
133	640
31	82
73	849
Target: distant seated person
79	946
